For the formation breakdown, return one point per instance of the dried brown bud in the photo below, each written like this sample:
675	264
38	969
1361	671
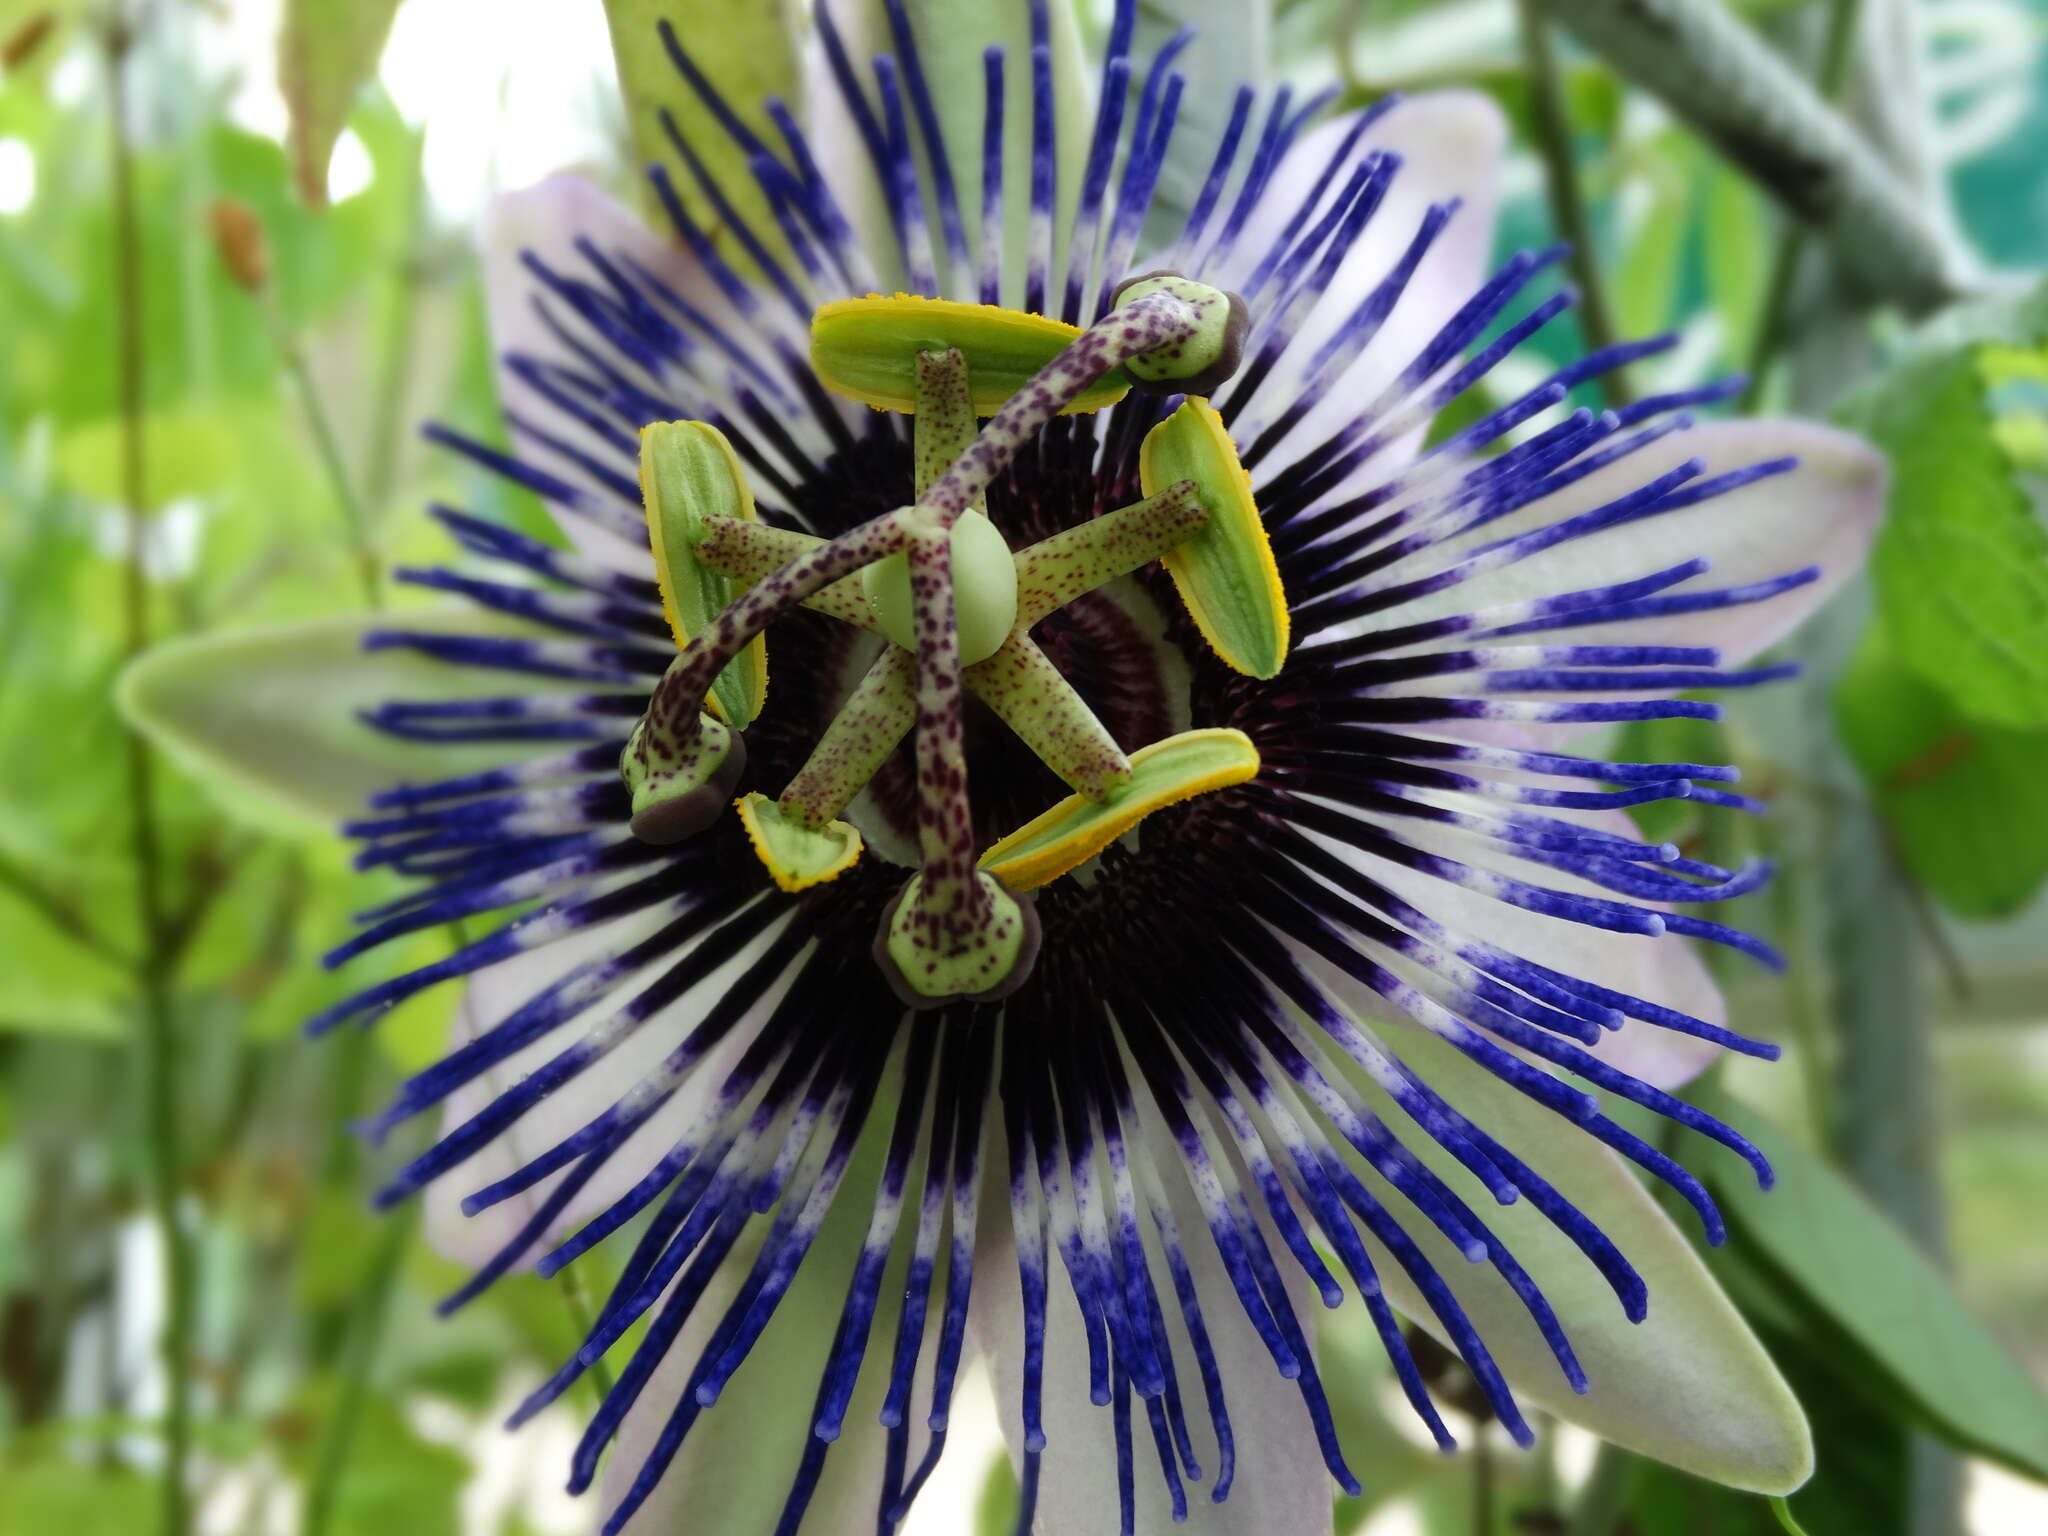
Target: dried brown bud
238	236
25	39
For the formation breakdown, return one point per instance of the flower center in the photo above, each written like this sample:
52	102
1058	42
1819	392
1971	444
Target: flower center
955	607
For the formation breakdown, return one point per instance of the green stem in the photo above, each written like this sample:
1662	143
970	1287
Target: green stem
1713	71
1567	199
59	912
1604	1494
332	460
368	1333
158	1041
1785	260
577	1300
399	335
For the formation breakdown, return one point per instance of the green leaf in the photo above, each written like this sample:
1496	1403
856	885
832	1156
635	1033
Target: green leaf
1966	802
394	1480
1961	564
1690	1385
269	718
326	50
74	1497
1845	1260
747	49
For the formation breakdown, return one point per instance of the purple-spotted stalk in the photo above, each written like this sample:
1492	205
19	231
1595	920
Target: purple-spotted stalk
1150	324
681	765
857	742
954	933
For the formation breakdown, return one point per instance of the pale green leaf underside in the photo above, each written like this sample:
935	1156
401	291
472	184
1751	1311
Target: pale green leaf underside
1690	1385
269	718
1847	1260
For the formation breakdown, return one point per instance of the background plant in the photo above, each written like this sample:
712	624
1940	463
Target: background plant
221	325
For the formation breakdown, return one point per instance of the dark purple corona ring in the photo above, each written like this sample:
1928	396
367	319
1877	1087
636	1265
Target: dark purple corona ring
1254	1062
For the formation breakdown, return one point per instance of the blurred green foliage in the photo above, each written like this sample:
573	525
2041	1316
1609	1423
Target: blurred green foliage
318	1357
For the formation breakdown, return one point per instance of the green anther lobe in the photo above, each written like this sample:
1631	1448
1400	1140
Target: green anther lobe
1056	570
688	476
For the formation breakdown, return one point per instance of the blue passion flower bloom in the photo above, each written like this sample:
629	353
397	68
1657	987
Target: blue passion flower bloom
1233	925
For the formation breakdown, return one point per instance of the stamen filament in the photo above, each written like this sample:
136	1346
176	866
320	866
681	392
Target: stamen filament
1033	699
857	742
1145	325
1056	570
749	552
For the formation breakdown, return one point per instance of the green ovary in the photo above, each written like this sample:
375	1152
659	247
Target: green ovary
984	591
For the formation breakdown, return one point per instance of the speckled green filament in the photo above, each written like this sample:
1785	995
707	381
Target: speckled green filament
857	742
748	552
1040	705
673	714
1055	571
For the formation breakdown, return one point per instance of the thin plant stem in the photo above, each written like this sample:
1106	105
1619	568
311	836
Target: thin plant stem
158	1040
363	1348
1791	248
1567	198
61	913
1604	1494
399	335
1485	1495
577	1300
328	443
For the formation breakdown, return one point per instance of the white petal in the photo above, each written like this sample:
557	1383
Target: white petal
950	42
1450	144
495	993
735	1467
1663	969
1281	1487
1689	1385
546	219
1824	512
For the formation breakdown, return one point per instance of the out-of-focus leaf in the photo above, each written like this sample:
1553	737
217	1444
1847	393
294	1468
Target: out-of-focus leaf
270	719
325	52
394	1481
1966	802
1689	1385
748	50
995	1508
185	453
75	1497
1846	1261
1961	565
